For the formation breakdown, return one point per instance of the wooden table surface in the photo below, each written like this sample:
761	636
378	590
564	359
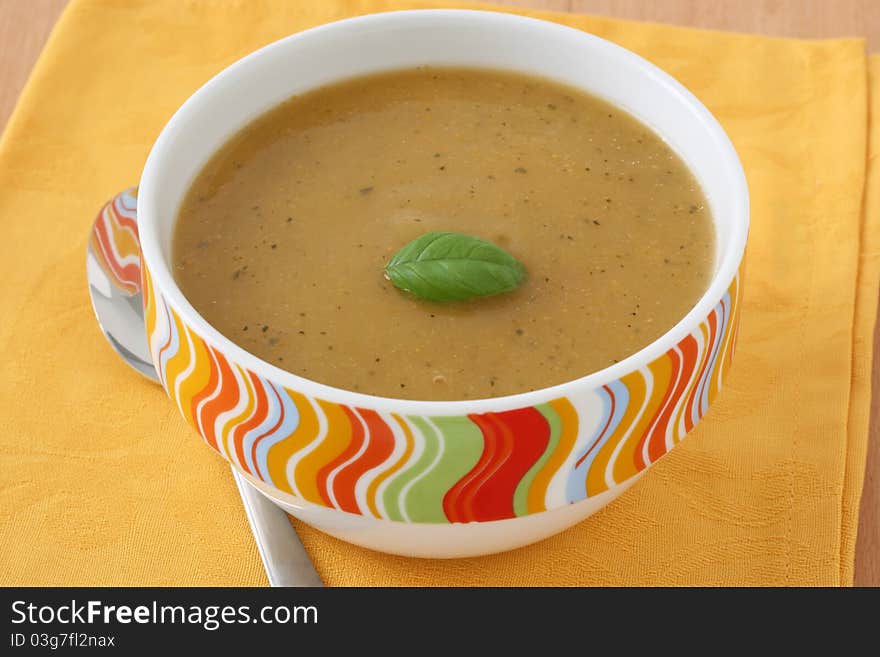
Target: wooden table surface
25	24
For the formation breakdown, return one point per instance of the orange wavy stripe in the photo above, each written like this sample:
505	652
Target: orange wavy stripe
339	435
197	380
279	453
380	445
232	436
569	421
661	370
358	436
210	386
690	350
687	409
398	464
227	399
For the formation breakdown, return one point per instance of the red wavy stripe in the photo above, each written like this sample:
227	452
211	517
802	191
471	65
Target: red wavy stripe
527	432
512	442
656	437
604	429
226	400
354	445
456	501
258	415
129	275
377	451
688	414
207	391
690	352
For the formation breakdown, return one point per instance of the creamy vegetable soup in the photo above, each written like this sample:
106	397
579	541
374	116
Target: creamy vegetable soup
284	236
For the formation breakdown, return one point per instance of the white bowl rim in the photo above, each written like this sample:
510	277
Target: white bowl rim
729	260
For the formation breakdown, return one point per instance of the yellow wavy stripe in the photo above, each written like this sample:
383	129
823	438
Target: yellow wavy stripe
732	326
279	453
337	439
150	307
124	241
595	482
626	464
228	429
537	496
407	452
636	388
197	379
179	361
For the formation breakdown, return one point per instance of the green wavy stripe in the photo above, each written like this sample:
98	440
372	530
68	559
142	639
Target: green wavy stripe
462	447
393	491
521	494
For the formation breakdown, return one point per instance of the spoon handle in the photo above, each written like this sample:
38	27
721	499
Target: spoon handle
284	557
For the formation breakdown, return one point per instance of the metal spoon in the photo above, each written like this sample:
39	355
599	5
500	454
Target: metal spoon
120	313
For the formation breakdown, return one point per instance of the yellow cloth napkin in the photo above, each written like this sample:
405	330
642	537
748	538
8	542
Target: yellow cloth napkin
764	492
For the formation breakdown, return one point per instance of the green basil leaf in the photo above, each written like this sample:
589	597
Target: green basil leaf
448	266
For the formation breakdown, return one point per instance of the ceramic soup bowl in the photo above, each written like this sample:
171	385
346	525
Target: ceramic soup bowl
432	479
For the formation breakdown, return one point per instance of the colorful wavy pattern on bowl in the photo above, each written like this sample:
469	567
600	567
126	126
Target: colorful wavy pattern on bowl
442	469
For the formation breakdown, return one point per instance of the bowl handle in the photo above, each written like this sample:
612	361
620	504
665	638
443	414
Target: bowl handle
113	268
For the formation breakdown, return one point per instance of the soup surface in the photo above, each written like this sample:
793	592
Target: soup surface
282	239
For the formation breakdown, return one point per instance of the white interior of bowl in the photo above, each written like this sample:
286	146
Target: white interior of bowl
444	38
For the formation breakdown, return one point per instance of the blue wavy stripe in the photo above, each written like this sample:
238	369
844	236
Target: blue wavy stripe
702	402
126	204
273	414
576	486
288	425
